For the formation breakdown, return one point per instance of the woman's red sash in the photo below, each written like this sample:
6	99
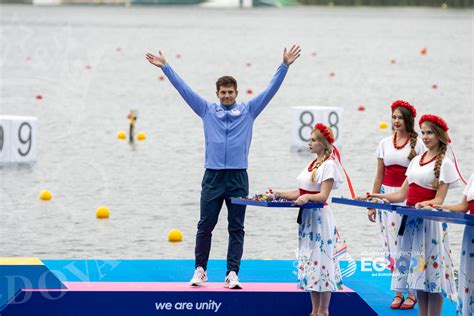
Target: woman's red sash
394	175
418	194
471	206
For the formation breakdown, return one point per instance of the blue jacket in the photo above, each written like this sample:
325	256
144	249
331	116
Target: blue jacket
227	129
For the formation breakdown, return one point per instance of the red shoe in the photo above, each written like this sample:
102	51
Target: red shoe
397	305
411	303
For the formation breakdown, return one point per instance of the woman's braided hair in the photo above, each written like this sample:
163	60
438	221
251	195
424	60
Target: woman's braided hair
440	129
325	136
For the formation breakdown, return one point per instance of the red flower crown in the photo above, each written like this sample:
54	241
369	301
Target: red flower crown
434	119
325	131
404	104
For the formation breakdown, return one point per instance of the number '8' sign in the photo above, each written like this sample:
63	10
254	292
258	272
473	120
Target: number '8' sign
18	139
304	119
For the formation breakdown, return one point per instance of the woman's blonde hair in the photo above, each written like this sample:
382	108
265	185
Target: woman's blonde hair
443	138
327	150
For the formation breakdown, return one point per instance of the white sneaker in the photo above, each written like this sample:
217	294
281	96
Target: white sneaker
232	281
199	277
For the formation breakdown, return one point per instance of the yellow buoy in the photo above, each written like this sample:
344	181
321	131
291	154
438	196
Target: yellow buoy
141	136
444	6
175	235
102	212
45	195
383	125
121	135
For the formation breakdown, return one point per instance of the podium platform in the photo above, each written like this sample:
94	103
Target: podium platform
160	287
20	273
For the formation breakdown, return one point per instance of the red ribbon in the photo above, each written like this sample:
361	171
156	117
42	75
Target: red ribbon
349	182
456	165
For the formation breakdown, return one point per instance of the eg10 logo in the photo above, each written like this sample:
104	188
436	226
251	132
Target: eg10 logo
403	264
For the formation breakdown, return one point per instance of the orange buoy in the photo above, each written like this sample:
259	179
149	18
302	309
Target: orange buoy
435	86
45	195
178	56
332	74
102	212
424	51
361	108
39	97
383	125
175	235
161	77
393	61
249	91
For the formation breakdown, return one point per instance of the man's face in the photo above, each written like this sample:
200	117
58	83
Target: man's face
227	95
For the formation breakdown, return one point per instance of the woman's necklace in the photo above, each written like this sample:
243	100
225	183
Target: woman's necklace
423	158
315	164
395	142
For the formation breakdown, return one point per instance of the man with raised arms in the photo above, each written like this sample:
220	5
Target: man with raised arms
228	134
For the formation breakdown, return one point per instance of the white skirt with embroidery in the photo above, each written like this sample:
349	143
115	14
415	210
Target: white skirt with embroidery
389	226
318	268
466	274
424	262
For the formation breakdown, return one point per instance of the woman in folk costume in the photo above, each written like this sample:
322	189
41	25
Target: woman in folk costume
424	263
318	268
466	273
394	154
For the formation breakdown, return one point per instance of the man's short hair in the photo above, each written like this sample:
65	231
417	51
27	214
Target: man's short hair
226	81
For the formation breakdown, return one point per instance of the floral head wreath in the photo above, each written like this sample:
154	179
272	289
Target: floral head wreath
434	119
325	131
404	104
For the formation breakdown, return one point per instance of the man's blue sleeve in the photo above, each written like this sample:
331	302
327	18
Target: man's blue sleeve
194	100
257	104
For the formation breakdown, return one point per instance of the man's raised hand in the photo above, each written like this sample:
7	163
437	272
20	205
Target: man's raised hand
158	61
289	56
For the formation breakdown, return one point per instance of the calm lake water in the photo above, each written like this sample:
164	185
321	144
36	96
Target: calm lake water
88	64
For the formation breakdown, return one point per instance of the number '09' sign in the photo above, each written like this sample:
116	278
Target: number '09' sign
18	139
305	117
